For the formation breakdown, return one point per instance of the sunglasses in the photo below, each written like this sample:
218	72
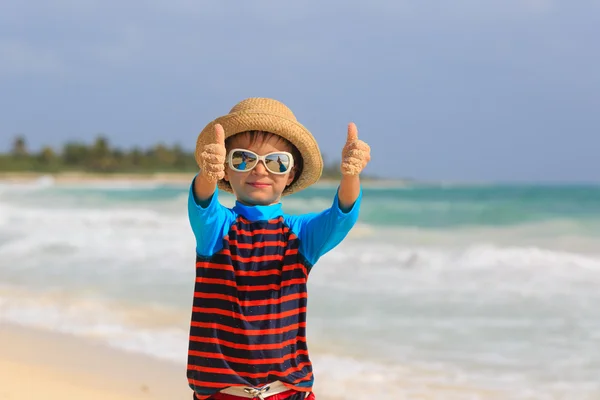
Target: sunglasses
278	162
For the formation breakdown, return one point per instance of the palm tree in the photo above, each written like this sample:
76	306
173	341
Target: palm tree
74	154
47	157
19	147
101	147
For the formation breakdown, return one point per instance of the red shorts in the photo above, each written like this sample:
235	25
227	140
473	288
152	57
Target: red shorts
289	395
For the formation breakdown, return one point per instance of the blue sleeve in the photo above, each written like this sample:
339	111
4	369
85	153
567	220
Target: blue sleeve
210	222
321	232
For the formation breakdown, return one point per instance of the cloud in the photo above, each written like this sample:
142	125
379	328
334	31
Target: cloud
76	37
110	39
457	73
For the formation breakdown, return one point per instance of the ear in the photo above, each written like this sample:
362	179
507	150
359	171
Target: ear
291	176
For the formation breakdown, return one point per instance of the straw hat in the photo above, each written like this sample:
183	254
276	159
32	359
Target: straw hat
272	116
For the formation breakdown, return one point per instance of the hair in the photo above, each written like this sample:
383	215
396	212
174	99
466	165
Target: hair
261	137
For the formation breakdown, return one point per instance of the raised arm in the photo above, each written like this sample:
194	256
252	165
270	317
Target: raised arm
208	218
212	168
319	233
355	157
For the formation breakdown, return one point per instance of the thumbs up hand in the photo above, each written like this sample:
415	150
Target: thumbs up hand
213	157
356	153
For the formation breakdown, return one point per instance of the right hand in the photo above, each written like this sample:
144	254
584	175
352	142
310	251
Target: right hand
213	157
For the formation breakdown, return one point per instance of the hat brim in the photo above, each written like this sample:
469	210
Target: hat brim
293	131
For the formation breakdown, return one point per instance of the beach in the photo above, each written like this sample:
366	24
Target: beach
53	366
442	292
57	366
163	178
67	178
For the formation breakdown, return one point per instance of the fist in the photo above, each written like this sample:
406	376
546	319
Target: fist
356	153
213	157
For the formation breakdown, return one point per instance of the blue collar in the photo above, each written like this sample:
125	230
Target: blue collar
258	213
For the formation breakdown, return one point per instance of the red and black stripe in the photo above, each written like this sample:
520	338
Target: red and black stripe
249	311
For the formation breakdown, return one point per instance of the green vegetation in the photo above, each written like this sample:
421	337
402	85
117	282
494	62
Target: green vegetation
101	157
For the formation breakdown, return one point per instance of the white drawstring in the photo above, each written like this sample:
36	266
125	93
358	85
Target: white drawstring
262	393
258	392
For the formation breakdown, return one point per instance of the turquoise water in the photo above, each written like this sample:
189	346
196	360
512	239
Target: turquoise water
491	291
424	207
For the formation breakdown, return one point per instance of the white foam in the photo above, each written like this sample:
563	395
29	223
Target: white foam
40	183
338	376
384	299
97	319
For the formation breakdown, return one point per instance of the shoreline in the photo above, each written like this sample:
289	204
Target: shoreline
68	367
37	363
82	177
67	178
54	366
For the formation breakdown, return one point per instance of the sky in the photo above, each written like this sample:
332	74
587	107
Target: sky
464	90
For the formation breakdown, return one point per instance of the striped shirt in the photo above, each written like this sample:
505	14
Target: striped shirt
248	325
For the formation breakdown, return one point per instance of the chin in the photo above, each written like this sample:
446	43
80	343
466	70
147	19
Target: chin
261	199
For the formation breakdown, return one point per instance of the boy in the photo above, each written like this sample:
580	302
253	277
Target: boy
248	328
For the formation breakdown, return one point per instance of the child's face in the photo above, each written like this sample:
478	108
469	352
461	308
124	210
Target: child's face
258	186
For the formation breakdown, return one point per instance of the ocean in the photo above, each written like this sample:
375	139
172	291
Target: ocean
439	292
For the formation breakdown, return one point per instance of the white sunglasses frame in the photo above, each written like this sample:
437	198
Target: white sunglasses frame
260	158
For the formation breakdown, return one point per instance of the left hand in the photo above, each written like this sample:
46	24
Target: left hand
356	153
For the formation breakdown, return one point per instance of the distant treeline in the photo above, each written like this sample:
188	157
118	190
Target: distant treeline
101	157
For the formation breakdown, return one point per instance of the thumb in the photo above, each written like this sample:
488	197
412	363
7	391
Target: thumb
352	133
219	135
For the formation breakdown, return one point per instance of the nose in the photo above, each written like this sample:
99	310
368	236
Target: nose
260	169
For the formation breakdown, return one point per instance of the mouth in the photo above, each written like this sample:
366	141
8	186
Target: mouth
259	185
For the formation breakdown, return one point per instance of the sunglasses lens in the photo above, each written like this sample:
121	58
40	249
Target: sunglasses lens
278	163
243	160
